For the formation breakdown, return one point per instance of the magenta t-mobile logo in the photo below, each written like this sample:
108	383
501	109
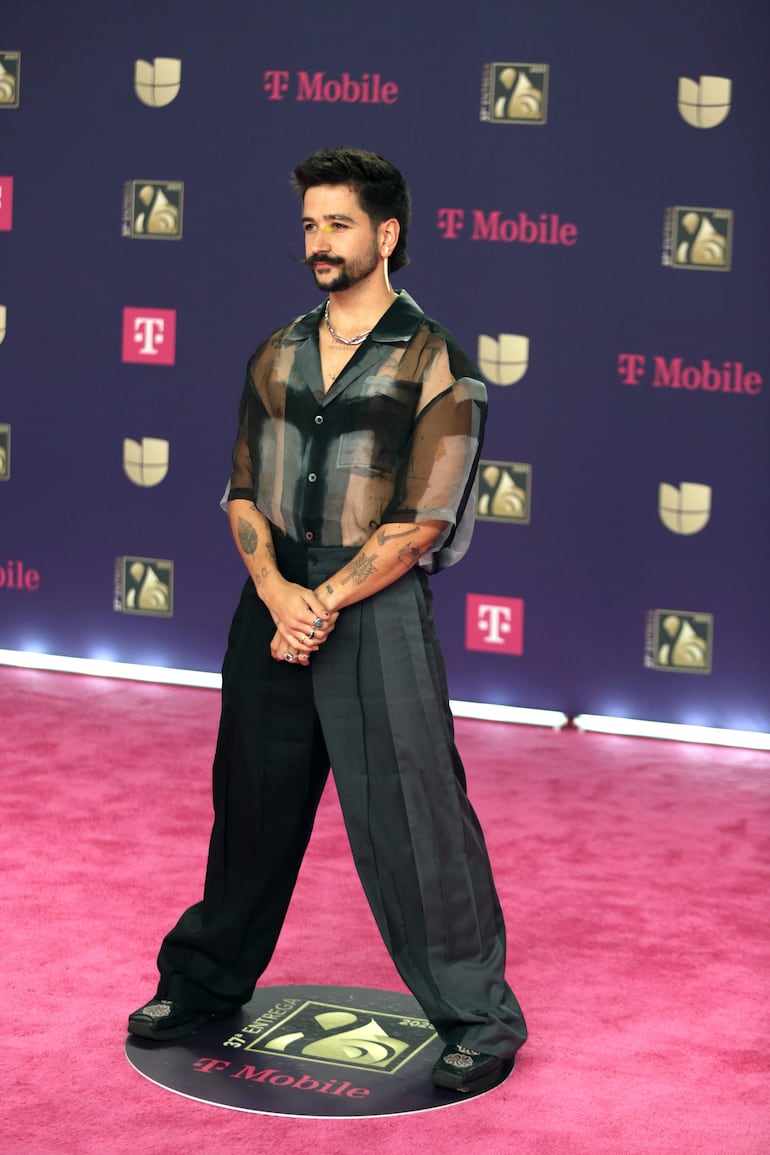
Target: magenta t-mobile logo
494	624
6	203
149	336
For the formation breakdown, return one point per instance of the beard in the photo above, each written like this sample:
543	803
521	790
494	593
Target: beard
345	273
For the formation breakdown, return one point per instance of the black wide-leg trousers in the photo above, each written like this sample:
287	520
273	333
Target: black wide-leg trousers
373	704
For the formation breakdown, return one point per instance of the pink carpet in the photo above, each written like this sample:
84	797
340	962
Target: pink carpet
633	874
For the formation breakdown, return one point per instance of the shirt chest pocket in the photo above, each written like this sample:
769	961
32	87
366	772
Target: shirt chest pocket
378	422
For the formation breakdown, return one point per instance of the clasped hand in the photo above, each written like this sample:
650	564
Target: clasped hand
302	621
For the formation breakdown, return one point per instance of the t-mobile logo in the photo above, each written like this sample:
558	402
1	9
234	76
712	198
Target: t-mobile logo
494	624
149	336
6	203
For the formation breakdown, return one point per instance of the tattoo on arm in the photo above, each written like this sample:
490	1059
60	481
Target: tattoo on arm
247	536
360	569
409	554
382	536
329	588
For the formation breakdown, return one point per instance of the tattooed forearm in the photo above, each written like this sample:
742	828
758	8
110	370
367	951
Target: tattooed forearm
409	554
247	536
329	588
383	536
359	569
261	575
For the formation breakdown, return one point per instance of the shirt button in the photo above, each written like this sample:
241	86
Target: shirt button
308	536
319	419
312	477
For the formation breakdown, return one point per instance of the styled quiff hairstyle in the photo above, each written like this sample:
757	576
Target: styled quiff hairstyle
380	187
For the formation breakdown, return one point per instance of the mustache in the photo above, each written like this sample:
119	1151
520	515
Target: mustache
314	259
317	259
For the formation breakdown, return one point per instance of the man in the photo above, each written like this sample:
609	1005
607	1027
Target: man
353	475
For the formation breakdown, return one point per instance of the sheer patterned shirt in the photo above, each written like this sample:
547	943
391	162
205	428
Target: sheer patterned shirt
395	439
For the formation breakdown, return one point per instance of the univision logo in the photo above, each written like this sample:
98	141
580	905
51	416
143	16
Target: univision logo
704	103
157	84
503	360
684	509
145	462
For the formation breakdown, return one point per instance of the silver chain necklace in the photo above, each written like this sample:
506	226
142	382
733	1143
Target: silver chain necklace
357	340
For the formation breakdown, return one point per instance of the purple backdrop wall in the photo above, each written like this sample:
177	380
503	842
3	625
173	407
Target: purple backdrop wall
577	224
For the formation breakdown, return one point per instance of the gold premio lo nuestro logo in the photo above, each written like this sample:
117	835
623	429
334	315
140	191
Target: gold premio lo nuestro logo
153	209
514	93
505	491
344	1036
679	641
144	585
5	451
156	84
10	79
3	322
704	103
698	238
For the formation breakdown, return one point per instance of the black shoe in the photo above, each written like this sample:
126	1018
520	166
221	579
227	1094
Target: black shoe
464	1070
161	1019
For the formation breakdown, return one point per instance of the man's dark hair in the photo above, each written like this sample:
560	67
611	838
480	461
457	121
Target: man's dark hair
381	189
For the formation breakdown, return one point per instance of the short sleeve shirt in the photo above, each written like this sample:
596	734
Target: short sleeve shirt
395	439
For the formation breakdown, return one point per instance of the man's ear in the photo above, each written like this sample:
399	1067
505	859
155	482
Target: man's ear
388	233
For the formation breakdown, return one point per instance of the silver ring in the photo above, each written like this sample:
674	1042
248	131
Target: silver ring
311	635
317	623
287	657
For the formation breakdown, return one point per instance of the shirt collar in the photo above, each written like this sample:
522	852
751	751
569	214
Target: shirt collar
399	323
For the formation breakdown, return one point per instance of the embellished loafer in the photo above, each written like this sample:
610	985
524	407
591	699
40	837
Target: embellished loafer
462	1069
161	1019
